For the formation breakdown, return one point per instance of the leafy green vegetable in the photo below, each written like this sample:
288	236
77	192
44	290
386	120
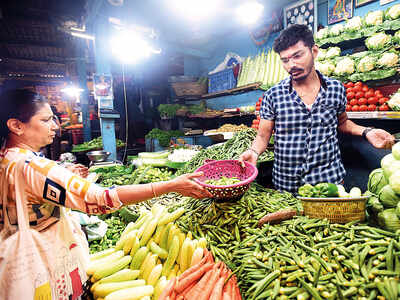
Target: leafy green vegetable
388	197
164	137
394	182
168	110
376	181
388	219
223	181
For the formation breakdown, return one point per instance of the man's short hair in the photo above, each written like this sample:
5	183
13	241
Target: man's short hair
291	36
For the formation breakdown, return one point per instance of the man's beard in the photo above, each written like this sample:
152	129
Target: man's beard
298	70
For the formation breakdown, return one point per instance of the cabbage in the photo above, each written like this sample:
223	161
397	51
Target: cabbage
388	59
389	220
376	181
394	182
393	12
336	29
332	52
388	197
374	18
366	64
374	206
378	41
389	165
396	151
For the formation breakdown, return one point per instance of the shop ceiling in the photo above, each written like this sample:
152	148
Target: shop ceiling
35	46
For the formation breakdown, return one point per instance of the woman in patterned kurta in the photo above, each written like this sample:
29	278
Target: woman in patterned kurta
27	124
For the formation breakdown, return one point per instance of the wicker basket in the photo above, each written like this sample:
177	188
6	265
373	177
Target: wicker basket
189	88
336	210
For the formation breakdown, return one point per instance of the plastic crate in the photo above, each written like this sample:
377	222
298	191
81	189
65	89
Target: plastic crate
220	81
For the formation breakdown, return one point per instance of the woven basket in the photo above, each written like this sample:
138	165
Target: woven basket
228	168
189	88
336	210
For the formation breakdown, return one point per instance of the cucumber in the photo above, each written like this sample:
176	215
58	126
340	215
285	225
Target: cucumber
160	154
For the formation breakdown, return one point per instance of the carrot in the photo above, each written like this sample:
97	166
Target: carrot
226	296
216	293
236	288
205	295
187	290
168	289
193	277
198	289
173	295
195	267
231	289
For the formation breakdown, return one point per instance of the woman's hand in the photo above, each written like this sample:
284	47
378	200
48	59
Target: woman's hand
185	186
380	139
78	169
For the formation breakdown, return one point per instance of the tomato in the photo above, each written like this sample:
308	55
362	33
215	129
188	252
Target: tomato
348	107
349	90
355	108
365	89
359	95
363	108
350	95
256	122
260	99
357	88
371	107
369	94
383	100
258	117
384	107
378	93
350	84
372	100
254	126
362	101
358	83
353	102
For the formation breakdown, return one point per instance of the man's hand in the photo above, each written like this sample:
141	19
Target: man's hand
380	139
250	156
78	169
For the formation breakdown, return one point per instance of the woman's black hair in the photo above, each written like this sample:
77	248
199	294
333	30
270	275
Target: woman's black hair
291	36
19	104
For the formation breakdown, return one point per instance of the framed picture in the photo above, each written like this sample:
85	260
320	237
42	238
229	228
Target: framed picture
302	12
339	10
363	2
383	2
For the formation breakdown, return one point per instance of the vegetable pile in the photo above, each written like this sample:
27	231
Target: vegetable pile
163	136
223	181
362	98
384	188
326	190
231	149
94	144
394	101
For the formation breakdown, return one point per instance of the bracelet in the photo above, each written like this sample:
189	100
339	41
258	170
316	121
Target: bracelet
251	149
153	190
365	132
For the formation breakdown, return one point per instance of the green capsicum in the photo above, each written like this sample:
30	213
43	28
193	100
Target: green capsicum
307	190
325	189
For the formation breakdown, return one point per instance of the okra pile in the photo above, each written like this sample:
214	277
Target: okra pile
225	224
306	258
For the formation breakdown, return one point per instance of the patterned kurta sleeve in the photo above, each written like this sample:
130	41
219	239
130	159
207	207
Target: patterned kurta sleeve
59	186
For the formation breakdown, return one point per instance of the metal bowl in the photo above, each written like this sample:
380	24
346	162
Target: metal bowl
98	156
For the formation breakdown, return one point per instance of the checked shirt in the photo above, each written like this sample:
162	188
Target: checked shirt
306	143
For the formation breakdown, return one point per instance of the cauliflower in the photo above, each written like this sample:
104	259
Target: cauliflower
374	18
367	63
378	41
353	24
393	12
322	33
336	29
325	68
344	66
321	54
394	102
332	52
396	37
388	59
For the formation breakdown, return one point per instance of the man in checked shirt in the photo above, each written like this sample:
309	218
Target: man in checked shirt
306	110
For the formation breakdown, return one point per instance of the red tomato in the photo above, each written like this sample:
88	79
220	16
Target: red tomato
260	99
358	83
363	108
365	89
384	107
383	100
371	107
362	101
378	93
360	95
350	84
254	126
353	102
355	108
348	107
256	122
258	117
357	88
372	100
349	90
369	94
350	95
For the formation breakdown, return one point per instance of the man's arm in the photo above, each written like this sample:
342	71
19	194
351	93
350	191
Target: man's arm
260	143
378	138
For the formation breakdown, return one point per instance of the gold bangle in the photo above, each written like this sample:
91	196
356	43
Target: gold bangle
153	190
